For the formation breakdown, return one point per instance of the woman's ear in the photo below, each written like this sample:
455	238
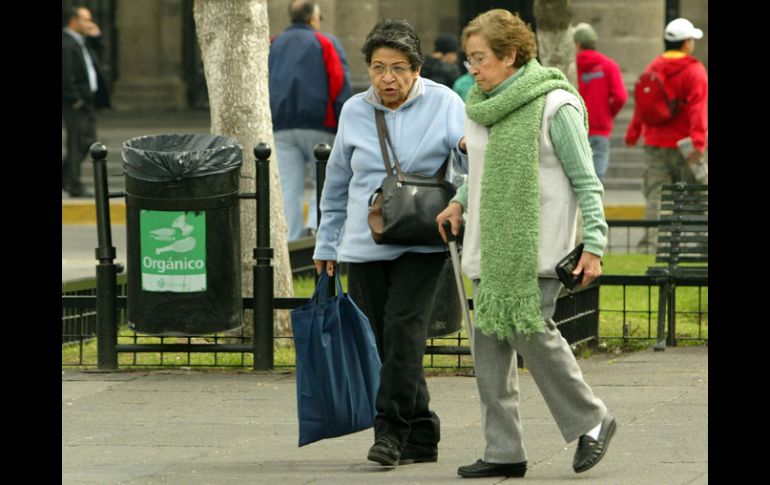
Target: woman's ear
512	57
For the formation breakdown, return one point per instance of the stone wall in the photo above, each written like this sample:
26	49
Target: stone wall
150	56
149	40
631	31
696	11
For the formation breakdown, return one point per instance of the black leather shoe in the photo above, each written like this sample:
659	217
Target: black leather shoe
485	469
590	451
418	454
385	452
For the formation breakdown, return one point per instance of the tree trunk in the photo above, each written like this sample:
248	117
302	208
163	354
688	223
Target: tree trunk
554	36
234	41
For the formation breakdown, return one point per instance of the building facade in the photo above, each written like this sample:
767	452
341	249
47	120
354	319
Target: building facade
152	59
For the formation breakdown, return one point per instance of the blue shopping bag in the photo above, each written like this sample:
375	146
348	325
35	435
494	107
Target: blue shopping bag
338	368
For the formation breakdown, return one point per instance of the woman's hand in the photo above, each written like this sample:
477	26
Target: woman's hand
320	263
454	214
591	267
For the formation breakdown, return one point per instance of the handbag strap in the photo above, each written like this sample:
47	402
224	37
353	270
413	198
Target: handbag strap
382	133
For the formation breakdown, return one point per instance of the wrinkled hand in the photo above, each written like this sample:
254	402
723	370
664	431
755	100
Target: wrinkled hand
591	267
454	214
321	263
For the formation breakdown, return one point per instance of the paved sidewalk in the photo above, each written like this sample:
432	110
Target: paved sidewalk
226	427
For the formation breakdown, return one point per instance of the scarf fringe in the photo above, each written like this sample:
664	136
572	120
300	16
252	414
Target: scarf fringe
503	315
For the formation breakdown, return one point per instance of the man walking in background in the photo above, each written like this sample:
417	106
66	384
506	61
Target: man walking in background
683	100
83	88
601	86
309	82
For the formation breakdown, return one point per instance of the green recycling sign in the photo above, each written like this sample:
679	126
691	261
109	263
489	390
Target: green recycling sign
173	250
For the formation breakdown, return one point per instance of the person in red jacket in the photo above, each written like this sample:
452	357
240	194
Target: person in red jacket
602	89
686	82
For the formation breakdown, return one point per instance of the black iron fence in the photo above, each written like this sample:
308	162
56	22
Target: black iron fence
99	310
581	317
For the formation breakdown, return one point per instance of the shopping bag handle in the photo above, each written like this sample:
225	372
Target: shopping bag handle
323	284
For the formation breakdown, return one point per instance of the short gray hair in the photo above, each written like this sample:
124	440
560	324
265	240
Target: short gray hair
301	11
394	34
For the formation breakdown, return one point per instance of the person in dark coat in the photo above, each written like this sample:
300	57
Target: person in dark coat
83	89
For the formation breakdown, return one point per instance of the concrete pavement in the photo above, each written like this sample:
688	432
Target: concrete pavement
231	427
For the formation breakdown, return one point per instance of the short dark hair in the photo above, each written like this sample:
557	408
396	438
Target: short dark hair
301	11
394	34
69	13
674	45
445	43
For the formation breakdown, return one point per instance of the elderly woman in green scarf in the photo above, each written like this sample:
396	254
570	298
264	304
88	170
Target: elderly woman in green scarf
530	168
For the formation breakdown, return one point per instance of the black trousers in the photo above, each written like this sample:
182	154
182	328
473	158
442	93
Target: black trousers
396	296
80	125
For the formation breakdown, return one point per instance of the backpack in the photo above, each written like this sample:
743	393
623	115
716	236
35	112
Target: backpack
652	101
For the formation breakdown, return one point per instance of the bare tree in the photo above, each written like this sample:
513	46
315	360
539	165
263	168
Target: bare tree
234	40
554	36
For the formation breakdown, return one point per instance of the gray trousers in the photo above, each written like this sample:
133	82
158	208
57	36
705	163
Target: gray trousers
554	368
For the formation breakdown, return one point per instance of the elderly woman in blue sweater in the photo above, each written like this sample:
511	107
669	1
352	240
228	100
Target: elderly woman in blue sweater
392	284
530	168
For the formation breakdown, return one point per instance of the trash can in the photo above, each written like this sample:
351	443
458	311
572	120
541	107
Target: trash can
183	233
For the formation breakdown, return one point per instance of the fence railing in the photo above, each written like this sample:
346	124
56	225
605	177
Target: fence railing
577	315
581	317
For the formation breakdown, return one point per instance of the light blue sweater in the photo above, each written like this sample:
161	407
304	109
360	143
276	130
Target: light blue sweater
423	130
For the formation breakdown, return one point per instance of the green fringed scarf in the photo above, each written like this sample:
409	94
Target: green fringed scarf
508	295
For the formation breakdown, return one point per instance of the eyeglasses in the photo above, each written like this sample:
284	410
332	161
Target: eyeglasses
475	61
397	69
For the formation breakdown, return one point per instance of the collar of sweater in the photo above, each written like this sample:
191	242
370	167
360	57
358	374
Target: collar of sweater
417	90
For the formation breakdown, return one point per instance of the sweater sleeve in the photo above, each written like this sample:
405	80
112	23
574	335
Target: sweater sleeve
570	142
618	94
697	102
334	198
461	196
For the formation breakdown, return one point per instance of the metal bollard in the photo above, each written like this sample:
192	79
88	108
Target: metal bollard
263	269
321	152
106	271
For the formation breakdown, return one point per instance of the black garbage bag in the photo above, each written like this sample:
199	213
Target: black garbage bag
160	158
183	231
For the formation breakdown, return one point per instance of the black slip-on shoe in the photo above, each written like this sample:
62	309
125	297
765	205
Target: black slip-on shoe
485	469
418	454
590	451
385	452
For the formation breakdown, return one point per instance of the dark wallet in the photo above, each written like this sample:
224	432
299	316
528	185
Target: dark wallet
565	267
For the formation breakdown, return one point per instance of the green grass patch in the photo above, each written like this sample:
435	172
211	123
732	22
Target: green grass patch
629	312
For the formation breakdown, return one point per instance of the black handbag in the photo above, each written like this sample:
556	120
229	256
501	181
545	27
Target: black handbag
404	209
565	267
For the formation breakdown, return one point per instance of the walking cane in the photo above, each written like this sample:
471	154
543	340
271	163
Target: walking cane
452	242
